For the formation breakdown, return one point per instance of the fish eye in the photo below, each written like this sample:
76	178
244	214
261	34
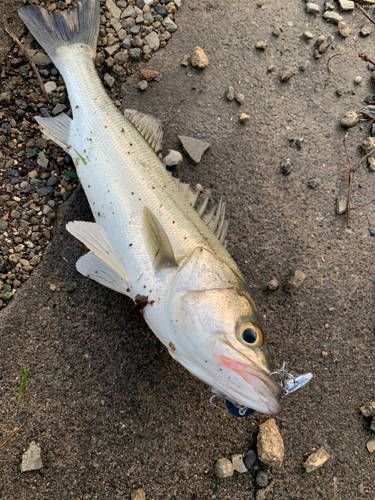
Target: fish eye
250	334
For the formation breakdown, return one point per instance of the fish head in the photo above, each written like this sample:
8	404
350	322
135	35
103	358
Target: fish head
215	332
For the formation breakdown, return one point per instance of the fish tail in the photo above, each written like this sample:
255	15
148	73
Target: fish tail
53	31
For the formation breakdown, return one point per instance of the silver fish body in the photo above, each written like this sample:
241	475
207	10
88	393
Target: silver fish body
148	242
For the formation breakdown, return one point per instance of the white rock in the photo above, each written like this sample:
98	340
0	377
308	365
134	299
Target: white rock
346	5
149	2
152	40
42	160
332	16
238	465
32	459
50	87
172	158
113	9
312	8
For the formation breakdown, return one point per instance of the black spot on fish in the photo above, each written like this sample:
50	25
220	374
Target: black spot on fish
130	244
98	214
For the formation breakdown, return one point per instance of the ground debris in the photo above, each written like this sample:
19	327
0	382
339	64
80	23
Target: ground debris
32	458
295	280
238	464
198	58
224	468
194	148
316	460
138	494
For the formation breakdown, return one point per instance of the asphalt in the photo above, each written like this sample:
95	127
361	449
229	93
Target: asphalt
110	409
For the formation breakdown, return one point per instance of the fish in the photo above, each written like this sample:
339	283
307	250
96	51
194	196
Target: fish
148	241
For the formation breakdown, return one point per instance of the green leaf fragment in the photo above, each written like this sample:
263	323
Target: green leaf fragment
81	157
71	174
23	383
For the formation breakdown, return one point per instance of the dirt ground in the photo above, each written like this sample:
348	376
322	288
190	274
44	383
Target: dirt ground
111	411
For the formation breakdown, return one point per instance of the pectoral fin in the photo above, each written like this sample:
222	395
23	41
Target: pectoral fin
57	129
92	267
97	240
157	241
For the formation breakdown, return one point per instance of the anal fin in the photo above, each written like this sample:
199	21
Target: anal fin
92	267
57	129
97	240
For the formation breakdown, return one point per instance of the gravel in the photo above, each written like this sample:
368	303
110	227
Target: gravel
32	458
249	459
194	148
262	479
270	444
238	464
295	280
286	73
224	468
312	8
198	58
316	460
350	119
332	17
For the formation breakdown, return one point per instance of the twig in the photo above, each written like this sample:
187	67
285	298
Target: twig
350	176
366	58
326	80
12	435
32	64
365	14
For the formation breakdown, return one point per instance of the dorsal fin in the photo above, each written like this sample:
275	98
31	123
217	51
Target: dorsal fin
210	211
148	126
157	240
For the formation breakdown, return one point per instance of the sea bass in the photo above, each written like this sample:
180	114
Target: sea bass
148	242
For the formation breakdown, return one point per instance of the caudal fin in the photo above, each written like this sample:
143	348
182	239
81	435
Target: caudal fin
79	25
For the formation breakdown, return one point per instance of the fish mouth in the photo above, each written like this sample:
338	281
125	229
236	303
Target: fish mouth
259	392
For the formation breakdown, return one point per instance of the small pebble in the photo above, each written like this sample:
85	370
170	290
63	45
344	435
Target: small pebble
270	444
303	66
371	163
50	87
286	73
295	280
32	458
142	85
312	8
185	60
307	35
271	68
350	119
240	98
368	145
341	206
332	17
244	118
344	30
314	183
346	5
286	168
368	409
261	45
238	464
249	459
138	494
316	460
276	32
340	90
172	158
198	58
273	284
329	6
265	493
262	479
358	80
223	468
260	3
365	31
229	93
372	231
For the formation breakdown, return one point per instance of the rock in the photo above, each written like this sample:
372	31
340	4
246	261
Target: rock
223	468
244	118
113	9
365	31
198	58
358	80
249	459
368	409
32	459
240	98
332	17
266	492
112	49
303	66
194	148
361	488
173	158
3	225
109	80
238	464
307	35
346	5
42	160
312	8
344	30
286	168
314	183
372	426
270	444
295	280
170	26
50	87
341	205
41	59
44	191
368	145
261	45
52	181
229	93
276	32
340	90
136	54
138	494
273	284
59	108
372	233
121	58
6	296
271	68
316	460
142	85
286	73
149	74
185	60
329	6
262	479
350	119
152	40
323	46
